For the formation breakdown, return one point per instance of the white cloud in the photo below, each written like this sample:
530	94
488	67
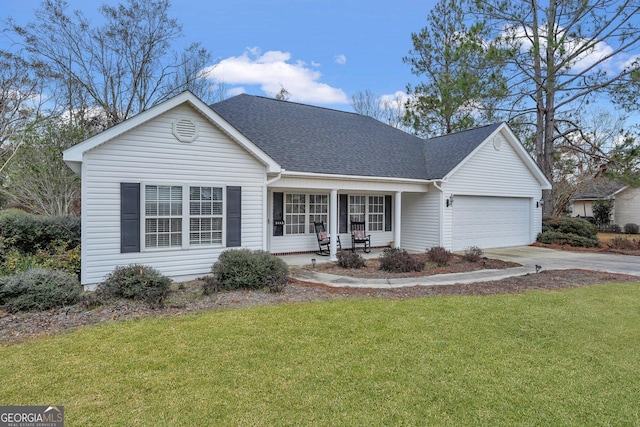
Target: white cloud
340	59
272	71
586	59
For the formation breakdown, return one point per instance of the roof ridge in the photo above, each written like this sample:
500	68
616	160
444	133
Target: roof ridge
497	124
266	98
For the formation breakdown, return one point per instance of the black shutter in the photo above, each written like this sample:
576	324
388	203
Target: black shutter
278	212
343	214
388	217
234	216
129	217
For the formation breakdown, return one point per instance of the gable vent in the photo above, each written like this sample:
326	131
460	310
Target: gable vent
185	130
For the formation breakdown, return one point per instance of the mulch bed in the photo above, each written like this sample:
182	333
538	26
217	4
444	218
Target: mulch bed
457	264
188	298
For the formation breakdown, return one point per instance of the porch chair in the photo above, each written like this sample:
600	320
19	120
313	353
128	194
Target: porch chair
359	236
324	242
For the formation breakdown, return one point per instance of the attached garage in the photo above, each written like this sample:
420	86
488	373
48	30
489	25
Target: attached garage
491	222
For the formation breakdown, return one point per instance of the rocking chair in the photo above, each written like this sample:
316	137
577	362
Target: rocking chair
324	243
359	236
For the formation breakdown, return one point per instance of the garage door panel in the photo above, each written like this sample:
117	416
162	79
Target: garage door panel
490	222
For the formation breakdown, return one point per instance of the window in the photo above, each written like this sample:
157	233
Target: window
163	216
376	213
318	210
357	208
295	213
205	215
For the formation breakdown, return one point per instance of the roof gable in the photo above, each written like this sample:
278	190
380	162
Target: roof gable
74	156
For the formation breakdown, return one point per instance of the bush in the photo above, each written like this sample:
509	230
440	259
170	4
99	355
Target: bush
439	255
246	269
472	254
28	233
396	260
556	237
569	231
39	289
623	243
57	257
136	282
631	228
350	259
613	228
568	225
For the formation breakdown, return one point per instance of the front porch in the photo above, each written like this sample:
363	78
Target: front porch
298	260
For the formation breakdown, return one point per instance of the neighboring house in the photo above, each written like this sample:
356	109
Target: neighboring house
626	200
178	184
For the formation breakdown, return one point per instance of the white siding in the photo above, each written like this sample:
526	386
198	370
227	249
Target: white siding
491	172
627	207
421	220
150	154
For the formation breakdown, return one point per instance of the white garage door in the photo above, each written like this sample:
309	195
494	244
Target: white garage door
490	222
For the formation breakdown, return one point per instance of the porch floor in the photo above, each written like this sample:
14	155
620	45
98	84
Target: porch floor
305	259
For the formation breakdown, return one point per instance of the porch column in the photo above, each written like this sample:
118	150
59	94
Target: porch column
333	225
397	219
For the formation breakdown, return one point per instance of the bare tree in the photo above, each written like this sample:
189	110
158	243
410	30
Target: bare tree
558	54
19	102
121	67
37	179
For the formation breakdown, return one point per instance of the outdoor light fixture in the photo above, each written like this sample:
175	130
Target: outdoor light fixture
484	261
538	268
450	201
539	203
313	262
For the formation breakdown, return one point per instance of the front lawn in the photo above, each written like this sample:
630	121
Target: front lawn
569	357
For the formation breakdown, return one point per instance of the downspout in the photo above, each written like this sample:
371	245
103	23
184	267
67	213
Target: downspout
440	213
266	236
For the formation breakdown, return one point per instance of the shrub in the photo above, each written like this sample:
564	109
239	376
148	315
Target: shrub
631	228
246	269
39	289
556	237
472	254
623	243
396	260
28	233
210	285
439	255
57	257
136	282
350	259
613	228
602	211
568	225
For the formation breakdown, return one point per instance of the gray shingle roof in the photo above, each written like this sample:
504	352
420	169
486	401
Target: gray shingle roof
598	188
305	138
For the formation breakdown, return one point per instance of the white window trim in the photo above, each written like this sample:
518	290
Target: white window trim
185	215
307	214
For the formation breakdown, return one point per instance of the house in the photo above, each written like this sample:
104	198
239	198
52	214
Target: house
626	200
178	184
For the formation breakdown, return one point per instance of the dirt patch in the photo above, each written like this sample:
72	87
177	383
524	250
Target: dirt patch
188	298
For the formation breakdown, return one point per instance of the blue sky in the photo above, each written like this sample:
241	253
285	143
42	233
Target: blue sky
322	52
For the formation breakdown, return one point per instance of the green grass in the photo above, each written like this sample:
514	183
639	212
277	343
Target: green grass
566	358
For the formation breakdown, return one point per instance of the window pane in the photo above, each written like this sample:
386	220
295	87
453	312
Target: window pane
295	209
163	210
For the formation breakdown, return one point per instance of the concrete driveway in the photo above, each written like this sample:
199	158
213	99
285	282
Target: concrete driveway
551	259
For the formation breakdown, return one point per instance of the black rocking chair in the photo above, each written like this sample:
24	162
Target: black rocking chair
324	242
359	236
